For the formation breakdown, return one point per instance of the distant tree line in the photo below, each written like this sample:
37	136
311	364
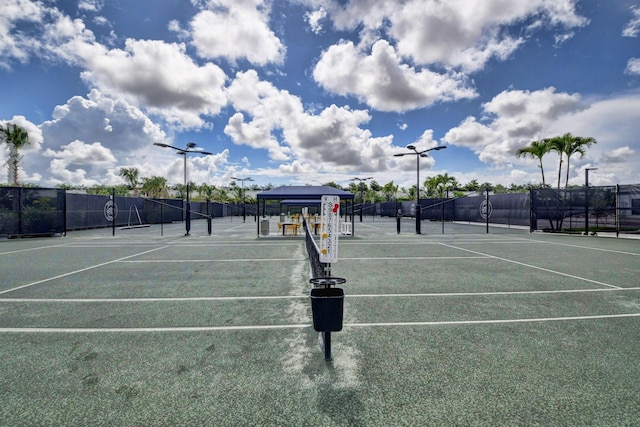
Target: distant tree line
439	186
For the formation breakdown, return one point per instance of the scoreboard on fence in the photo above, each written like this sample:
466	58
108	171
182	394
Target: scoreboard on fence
329	224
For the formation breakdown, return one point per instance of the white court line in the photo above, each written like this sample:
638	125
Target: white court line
162	261
591	249
494	293
80	271
33	249
533	266
298	326
182	261
432	258
161	329
496	321
158	299
293	297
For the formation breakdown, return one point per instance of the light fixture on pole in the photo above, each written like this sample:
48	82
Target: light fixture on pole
586	199
419	154
361	185
189	148
244	204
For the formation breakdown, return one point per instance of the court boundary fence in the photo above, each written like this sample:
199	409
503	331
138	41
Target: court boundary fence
26	211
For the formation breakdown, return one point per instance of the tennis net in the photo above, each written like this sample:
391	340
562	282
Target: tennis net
318	269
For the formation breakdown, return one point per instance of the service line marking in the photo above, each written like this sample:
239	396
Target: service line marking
306	296
80	271
533	266
182	261
298	326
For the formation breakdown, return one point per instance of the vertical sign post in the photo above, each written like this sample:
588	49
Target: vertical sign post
330	221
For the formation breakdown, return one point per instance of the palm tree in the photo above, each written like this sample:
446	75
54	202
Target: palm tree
576	144
558	144
537	149
222	195
237	193
16	138
132	177
205	190
390	191
431	184
437	186
154	186
447	183
473	185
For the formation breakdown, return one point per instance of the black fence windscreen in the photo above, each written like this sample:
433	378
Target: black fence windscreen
31	211
42	211
507	209
575	209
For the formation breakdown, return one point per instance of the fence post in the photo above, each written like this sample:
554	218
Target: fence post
20	196
487	212
533	216
64	211
113	211
617	213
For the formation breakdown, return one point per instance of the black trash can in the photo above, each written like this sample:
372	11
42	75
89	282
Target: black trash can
327	307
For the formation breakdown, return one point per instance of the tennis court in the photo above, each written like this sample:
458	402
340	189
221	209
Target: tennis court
461	328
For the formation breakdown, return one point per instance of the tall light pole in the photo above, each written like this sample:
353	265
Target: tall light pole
419	154
586	199
361	182
189	148
244	203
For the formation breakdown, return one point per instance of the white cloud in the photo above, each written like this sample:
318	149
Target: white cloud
615	123
514	118
87	137
237	30
618	155
255	135
314	19
632	29
334	139
91	5
151	74
79	153
14	45
78	162
456	33
180	90
382	81
633	66
90	138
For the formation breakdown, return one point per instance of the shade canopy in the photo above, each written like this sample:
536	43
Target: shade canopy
303	192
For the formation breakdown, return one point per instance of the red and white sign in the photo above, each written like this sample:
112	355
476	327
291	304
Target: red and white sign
329	224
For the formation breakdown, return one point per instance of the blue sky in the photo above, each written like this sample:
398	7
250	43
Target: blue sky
311	91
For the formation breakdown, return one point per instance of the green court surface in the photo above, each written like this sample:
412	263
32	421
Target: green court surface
154	328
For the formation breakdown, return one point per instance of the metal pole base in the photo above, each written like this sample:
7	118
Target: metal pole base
324	339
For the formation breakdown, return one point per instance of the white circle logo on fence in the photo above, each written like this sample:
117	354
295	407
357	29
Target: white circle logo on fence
486	209
110	210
